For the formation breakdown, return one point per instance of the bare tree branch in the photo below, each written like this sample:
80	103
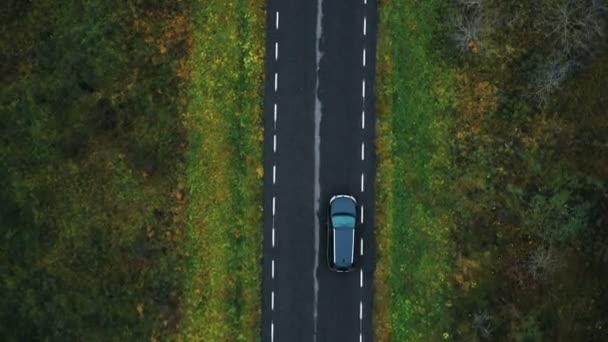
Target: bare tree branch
573	24
469	3
543	262
466	30
482	325
549	78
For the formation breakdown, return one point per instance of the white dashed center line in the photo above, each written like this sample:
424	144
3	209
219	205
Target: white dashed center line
363	119
274	168
362	211
363	88
360	278
272	301
363	56
362	182
364	63
361	251
271	331
360	310
276	51
362	151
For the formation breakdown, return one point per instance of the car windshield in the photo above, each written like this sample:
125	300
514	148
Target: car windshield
343	221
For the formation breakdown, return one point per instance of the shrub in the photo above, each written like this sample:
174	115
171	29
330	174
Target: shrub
558	213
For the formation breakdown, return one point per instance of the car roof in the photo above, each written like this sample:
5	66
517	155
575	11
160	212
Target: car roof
344	240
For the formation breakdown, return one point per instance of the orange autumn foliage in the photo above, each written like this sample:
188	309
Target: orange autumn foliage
476	98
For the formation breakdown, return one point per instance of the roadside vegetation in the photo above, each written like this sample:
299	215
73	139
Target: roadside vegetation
493	170
415	95
224	235
130	170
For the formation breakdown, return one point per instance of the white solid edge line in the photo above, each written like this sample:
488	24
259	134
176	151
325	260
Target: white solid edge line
275	116
272	271
362	151
274	174
276	81
274	202
363	119
272	237
364	26
363	56
362	211
363	88
362	182
274	142
361	251
360	310
360	278
271	331
272	301
276	24
276	51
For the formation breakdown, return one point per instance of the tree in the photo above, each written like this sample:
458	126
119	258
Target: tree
543	262
466	30
549	78
573	25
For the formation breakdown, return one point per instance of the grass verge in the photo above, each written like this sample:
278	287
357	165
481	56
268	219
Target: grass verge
491	204
222	285
414	94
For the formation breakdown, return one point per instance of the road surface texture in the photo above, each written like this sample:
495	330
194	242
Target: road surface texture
319	129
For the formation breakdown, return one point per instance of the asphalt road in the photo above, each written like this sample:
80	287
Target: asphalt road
319	127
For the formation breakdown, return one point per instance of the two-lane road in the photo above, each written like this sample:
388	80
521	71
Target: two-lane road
319	125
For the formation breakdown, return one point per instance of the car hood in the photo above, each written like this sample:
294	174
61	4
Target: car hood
343	205
344	239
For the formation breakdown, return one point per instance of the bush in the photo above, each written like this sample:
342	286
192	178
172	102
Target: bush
559	212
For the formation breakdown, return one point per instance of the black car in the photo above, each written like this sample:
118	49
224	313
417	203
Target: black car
341	229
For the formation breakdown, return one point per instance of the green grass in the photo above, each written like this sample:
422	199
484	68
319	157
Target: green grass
130	170
222	285
89	165
415	93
